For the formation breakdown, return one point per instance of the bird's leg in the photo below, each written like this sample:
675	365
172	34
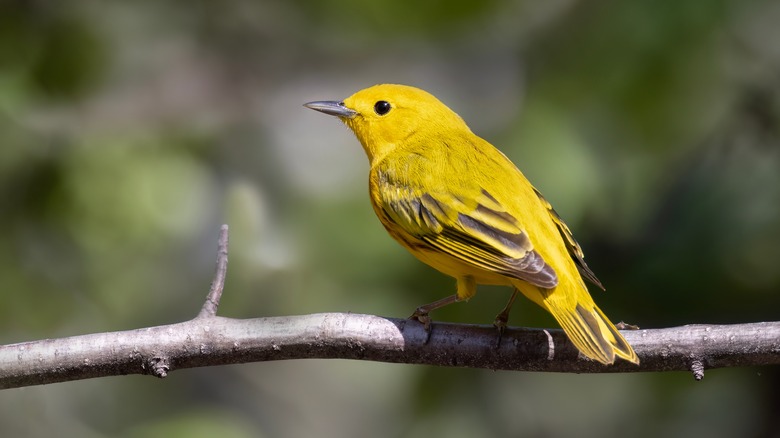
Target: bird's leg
501	319
421	314
467	287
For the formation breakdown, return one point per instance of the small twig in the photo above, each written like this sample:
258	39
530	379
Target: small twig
211	305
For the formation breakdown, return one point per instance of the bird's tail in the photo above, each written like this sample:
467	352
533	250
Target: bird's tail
584	323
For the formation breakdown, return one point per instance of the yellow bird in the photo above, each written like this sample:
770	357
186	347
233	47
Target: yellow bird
458	204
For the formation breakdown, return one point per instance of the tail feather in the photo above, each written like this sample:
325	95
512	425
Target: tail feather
587	327
620	346
602	340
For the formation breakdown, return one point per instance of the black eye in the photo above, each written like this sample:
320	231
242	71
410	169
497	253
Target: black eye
382	107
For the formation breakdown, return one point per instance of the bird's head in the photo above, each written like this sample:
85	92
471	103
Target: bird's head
387	116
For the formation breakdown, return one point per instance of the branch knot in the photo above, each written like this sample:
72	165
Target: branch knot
159	366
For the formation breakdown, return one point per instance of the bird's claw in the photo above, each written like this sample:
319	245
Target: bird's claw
500	324
626	326
422	317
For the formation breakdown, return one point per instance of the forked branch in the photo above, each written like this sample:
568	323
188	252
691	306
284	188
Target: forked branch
209	340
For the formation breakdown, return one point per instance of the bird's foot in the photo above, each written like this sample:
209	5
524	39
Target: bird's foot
421	315
500	323
626	326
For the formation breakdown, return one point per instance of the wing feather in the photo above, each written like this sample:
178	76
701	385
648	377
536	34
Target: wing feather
478	231
575	251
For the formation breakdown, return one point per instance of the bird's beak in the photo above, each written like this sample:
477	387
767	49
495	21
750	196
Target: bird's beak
331	108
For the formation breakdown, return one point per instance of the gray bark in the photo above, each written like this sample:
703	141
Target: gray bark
214	340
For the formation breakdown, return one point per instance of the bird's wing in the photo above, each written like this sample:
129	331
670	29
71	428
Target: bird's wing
477	231
575	251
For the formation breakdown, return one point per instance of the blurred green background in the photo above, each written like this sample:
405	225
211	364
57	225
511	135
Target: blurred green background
129	131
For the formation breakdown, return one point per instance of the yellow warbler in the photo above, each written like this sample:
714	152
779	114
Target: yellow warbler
458	204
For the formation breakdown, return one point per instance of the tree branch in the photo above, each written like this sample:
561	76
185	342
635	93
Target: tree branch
209	340
219	341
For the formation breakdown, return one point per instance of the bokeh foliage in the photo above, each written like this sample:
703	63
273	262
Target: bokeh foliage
130	130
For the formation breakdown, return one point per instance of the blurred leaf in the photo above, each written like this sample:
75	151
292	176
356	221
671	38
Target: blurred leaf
71	60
